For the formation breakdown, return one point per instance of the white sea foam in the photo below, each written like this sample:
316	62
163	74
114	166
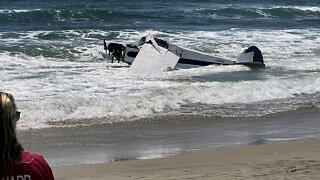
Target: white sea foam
302	8
9	11
99	94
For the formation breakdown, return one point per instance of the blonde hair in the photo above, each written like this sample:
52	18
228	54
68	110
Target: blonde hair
9	145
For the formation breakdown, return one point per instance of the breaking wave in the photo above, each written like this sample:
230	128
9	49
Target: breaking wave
93	17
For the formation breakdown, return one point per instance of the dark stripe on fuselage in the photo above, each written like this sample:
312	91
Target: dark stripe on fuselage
132	54
196	62
184	60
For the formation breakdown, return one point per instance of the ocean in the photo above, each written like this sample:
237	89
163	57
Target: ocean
53	62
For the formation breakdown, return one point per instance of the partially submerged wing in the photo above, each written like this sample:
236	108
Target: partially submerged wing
153	60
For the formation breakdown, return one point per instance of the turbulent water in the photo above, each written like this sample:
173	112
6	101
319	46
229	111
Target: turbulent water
53	62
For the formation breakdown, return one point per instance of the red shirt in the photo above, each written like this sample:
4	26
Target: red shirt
28	166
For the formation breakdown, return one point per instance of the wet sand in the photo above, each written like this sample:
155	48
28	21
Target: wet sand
297	159
165	136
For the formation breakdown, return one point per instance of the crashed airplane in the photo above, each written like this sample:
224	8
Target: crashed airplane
153	55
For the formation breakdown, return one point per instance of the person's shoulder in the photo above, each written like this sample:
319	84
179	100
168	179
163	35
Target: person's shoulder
36	158
27	156
40	166
30	165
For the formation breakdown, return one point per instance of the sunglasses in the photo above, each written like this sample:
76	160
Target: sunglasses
17	115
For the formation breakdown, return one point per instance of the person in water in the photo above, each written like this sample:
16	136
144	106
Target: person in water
15	162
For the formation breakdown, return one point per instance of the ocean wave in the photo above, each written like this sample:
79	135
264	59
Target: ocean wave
111	15
74	15
69	44
259	12
51	15
290	48
63	52
302	8
101	93
11	11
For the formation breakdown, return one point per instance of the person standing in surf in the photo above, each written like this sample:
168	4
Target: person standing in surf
15	162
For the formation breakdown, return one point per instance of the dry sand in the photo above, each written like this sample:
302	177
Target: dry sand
299	159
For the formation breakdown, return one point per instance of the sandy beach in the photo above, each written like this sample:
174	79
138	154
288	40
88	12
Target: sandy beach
297	159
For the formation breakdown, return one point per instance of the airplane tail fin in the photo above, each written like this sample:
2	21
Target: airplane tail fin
251	57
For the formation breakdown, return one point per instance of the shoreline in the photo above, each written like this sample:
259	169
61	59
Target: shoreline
295	159
164	136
